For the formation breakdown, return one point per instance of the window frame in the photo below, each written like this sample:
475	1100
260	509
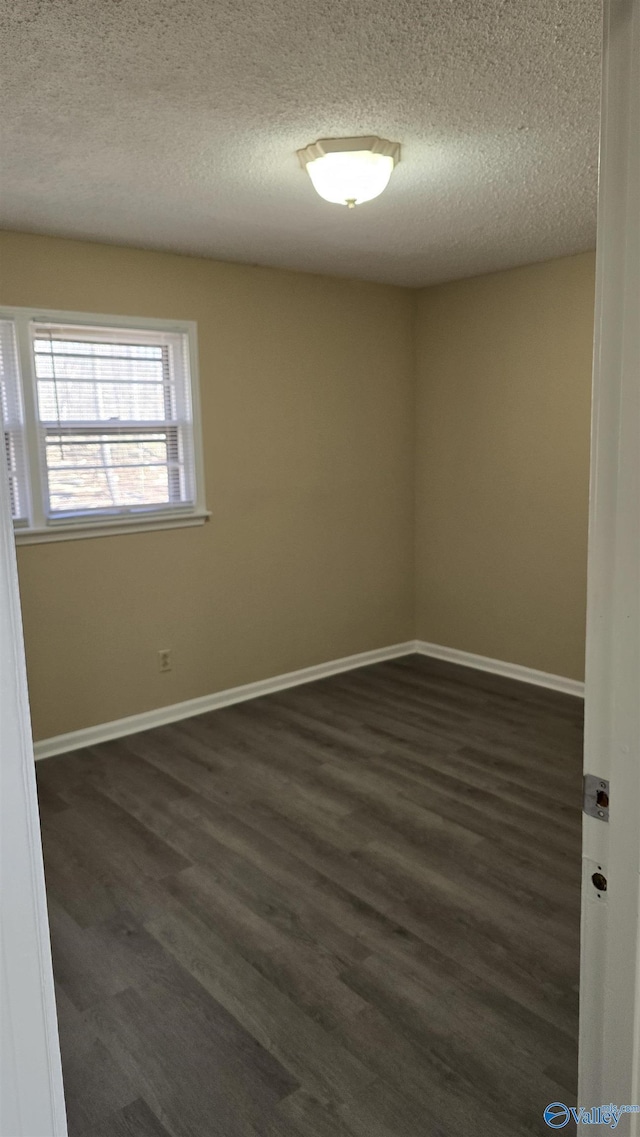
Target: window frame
41	528
14	430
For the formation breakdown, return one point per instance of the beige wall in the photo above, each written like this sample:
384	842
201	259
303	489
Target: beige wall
504	375
311	442
307	399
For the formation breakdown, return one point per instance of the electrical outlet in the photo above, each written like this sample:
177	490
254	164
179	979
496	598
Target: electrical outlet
164	660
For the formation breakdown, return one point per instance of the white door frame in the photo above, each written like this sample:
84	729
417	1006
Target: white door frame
31	1096
609	1065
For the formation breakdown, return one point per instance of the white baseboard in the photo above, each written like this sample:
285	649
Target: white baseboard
119	728
105	732
498	667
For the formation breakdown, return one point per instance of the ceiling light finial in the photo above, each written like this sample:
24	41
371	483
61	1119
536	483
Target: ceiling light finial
349	171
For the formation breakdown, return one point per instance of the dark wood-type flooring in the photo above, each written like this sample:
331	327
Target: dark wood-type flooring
349	909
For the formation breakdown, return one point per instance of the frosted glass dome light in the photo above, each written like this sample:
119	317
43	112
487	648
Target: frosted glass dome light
349	171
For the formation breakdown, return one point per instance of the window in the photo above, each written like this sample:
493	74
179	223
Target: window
98	416
13	423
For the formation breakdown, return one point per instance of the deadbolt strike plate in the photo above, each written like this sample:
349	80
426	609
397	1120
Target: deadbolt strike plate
596	797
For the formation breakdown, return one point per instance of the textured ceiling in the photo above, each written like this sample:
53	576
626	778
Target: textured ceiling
173	124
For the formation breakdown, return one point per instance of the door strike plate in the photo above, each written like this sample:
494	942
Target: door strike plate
596	797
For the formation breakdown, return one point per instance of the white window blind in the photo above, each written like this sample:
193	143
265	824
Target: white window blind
12	417
115	420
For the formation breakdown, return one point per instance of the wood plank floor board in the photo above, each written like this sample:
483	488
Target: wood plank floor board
75	950
437	803
484	950
416	1072
298	1042
284	776
135	960
50	801
244	880
134	1120
522	928
530	979
286	911
555	782
552	790
553	807
311	1118
301	970
394	720
482	807
95	1084
350	909
455	1094
478	1036
418	822
190	1081
299	888
548	720
262	724
189	824
113	839
480	862
82	893
403	765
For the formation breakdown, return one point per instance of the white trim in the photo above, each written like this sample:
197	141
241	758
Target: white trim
161	716
499	667
31	1092
78	530
93	319
609	1051
119	728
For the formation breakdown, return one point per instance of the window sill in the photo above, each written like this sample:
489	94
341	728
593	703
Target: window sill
79	531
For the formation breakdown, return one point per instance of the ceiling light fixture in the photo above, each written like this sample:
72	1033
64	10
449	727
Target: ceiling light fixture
348	171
